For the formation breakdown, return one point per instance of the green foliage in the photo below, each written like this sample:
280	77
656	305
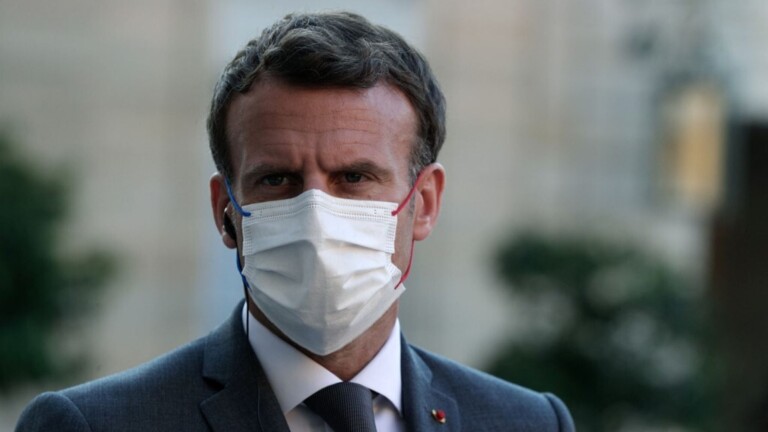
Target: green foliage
613	331
39	288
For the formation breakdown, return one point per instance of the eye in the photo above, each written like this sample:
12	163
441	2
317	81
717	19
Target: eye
353	177
274	180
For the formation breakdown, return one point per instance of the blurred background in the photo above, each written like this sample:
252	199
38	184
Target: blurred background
604	232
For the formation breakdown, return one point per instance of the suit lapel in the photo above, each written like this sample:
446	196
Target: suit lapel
421	397
246	401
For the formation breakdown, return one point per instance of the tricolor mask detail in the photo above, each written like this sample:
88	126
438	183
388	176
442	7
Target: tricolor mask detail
320	267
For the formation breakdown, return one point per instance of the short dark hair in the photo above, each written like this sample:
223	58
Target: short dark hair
338	49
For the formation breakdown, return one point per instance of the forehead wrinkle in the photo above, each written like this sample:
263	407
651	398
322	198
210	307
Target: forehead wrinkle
306	130
336	120
268	116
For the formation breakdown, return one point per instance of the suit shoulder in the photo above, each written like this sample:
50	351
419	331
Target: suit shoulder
457	375
170	371
482	395
52	411
166	388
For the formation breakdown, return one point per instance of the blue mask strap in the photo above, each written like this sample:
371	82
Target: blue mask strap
243	213
233	200
240	271
247	300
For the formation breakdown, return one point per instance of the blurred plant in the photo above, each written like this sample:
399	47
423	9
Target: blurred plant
613	331
40	288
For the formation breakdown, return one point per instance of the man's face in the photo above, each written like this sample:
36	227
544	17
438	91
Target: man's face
349	143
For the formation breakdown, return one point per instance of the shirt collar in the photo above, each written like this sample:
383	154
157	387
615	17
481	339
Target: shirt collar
294	376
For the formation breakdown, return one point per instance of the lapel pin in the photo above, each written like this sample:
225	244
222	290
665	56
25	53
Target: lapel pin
438	415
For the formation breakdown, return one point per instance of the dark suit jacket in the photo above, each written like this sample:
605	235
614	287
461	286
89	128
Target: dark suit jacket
217	384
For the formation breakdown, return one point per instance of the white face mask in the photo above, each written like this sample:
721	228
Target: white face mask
320	267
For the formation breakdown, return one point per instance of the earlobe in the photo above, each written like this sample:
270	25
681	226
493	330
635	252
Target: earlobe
429	199
219	204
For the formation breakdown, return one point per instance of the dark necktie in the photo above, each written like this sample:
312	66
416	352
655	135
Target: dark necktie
346	407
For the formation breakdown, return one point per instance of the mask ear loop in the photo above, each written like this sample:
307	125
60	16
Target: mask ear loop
413	242
409	196
233	200
245	294
242	213
237	257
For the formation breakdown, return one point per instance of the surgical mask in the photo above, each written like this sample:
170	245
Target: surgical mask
320	267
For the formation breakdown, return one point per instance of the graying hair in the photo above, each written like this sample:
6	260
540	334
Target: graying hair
337	49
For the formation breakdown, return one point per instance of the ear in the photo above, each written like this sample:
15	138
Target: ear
429	198
219	205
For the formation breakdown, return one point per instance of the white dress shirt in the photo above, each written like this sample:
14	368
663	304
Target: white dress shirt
294	377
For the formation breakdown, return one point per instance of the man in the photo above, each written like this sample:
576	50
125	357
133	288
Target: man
325	132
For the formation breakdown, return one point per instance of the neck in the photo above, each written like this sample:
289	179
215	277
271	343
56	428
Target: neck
347	362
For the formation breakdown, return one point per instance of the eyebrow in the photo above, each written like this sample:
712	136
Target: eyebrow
262	169
363	165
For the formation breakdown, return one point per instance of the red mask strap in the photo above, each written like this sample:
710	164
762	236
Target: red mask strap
408	269
413	242
410	194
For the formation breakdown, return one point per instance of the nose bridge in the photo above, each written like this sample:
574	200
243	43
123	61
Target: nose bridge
316	170
316	179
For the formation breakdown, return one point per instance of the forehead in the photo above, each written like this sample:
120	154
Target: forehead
273	112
